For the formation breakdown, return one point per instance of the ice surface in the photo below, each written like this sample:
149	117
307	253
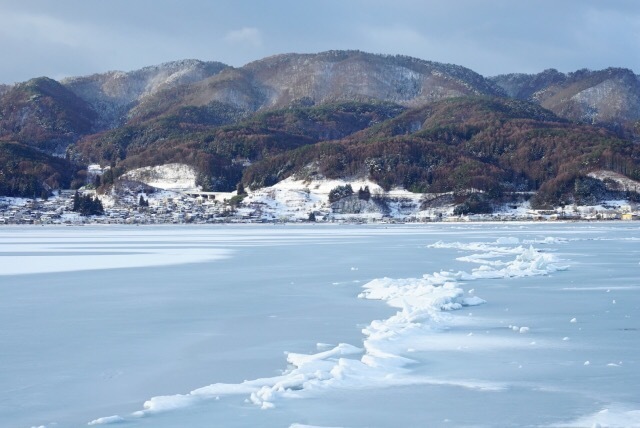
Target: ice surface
307	426
81	344
421	301
33	251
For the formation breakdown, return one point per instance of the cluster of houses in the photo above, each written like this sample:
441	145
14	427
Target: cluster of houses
167	210
202	207
32	211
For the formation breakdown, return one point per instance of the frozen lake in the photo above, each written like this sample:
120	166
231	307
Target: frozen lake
324	326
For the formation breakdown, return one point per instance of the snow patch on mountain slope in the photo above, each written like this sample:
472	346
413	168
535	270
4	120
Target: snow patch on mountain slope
294	200
114	94
174	176
323	187
623	182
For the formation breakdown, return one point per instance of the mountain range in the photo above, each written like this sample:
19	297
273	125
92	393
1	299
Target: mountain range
401	121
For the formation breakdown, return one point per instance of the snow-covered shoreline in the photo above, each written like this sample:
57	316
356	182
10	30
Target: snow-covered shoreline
168	194
281	204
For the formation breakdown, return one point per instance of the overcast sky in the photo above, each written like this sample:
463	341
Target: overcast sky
78	37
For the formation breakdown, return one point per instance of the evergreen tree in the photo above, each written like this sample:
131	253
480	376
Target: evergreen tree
364	194
340	192
107	176
87	205
98	209
76	202
240	189
143	202
312	216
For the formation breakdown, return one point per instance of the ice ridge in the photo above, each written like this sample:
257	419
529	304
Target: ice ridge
424	306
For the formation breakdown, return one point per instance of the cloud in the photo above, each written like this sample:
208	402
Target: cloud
73	37
246	36
45	45
22	26
421	43
576	36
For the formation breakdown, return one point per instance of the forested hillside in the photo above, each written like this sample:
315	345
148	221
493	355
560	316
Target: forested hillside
399	121
25	171
495	145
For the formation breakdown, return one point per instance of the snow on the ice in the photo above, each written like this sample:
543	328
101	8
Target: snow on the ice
609	418
323	346
424	305
529	261
47	254
107	420
508	240
299	360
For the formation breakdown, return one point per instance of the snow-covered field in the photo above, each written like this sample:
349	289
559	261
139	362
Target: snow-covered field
169	176
515	324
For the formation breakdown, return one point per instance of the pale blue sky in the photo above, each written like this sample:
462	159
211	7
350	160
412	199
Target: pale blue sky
78	37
